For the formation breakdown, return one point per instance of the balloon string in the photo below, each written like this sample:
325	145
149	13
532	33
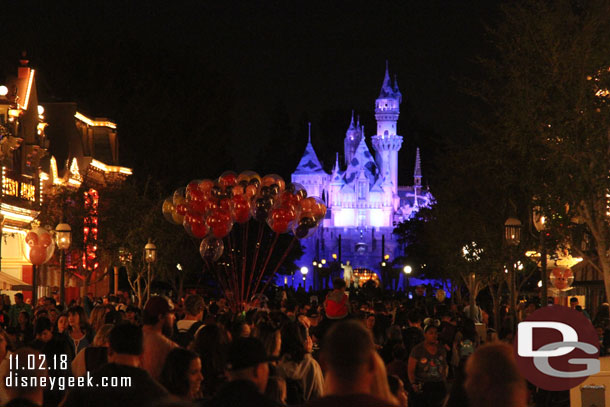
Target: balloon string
279	263
259	239
244	260
232	269
221	282
262	271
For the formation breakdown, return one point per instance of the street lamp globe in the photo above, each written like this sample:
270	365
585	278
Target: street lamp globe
407	269
150	252
64	236
304	270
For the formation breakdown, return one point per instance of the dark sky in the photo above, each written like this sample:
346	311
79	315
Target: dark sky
312	60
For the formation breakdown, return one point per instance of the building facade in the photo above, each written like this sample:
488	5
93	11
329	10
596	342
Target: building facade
363	197
46	147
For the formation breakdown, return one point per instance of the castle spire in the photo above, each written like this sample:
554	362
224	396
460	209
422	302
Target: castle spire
309	136
386	87
417	173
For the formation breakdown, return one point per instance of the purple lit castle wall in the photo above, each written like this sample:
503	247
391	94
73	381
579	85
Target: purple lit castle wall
363	197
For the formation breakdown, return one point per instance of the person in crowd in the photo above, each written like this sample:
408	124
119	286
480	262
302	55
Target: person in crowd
428	370
398	366
276	390
477	315
53	315
493	379
380	388
4	311
181	374
93	357
61	324
98	316
394	339
124	350
24	330
79	332
187	327
465	342
337	305
348	352
397	388
17	308
158	319
25	395
211	343
413	334
297	365
42	333
270	335
248	373
133	314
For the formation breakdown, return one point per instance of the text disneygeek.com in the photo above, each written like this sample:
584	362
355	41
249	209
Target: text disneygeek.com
62	383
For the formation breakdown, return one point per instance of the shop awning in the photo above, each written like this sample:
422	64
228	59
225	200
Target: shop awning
8	282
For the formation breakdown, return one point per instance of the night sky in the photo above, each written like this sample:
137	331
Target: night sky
199	86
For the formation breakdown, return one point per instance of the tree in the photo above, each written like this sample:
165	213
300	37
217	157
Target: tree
547	92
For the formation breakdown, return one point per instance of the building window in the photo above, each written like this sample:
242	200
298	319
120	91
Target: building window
362	190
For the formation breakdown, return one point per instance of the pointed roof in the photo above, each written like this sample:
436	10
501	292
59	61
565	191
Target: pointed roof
417	172
337	175
389	91
361	161
351	127
309	163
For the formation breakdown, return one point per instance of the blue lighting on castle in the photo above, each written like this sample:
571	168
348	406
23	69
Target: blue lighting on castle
363	198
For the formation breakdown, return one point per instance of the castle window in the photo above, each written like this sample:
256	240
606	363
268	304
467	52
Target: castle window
362	190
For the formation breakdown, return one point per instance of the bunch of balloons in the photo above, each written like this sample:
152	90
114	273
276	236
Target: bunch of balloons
41	246
208	209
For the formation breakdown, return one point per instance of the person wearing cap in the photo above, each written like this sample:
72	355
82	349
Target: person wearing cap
348	352
158	321
248	373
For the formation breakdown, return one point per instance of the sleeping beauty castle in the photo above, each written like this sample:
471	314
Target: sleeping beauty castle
363	197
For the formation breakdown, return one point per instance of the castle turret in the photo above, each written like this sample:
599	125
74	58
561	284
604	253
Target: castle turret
352	139
387	143
310	172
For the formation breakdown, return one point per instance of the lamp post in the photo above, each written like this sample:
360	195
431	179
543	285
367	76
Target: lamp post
64	240
150	255
540	225
512	238
304	271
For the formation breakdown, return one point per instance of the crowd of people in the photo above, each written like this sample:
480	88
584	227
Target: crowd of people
346	349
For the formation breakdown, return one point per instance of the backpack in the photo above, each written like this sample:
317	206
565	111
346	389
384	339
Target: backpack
184	338
465	348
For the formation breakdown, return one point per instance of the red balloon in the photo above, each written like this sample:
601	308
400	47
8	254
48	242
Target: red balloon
219	221
31	239
38	255
45	239
227	179
191	188
199	230
240	208
280	218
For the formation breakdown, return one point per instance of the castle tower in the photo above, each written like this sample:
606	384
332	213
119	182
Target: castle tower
387	143
352	139
310	173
